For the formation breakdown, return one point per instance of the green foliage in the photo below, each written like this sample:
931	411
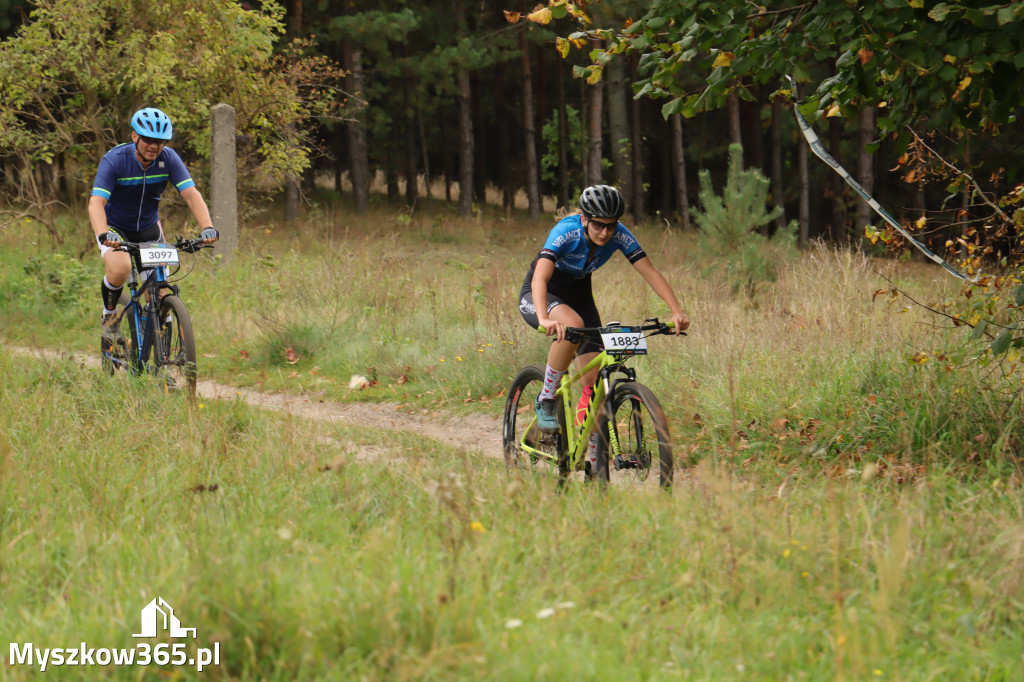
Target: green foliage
61	280
549	134
730	226
71	76
948	64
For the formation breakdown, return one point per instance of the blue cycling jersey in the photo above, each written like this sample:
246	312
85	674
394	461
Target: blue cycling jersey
133	193
572	254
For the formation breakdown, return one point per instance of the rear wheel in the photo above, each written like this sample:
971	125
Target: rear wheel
519	430
640	427
174	348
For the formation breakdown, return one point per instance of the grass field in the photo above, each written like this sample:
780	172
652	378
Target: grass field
841	512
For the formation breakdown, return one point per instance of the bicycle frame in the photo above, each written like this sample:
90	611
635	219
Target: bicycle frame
578	437
145	314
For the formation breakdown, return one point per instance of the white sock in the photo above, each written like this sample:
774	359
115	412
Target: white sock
552	377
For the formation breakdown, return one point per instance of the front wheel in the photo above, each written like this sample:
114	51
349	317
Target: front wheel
523	443
174	349
633	419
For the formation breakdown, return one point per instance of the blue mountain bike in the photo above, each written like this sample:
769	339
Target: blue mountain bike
154	329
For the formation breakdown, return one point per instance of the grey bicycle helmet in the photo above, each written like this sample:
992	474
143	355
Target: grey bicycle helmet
602	201
153	123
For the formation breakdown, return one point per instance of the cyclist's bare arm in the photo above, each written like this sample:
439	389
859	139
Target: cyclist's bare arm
200	211
663	289
98	217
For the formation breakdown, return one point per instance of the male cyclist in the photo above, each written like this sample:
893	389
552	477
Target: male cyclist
557	291
126	198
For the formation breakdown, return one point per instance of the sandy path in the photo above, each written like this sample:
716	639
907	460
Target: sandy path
477	433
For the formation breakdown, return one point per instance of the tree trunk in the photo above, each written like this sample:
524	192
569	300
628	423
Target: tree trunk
503	126
750	121
391	173
837	225
637	166
618	128
594	122
529	132
358	156
679	164
480	155
778	191
805	194
411	152
291	199
865	168
735	127
291	210
446	158
426	157
563	140
465	144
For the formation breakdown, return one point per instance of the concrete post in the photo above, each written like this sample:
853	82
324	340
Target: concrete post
223	179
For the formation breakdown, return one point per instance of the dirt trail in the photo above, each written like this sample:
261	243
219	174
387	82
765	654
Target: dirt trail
477	433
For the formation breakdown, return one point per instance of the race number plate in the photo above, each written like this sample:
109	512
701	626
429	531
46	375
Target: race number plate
624	341
153	255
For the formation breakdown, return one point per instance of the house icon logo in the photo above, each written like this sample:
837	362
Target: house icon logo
158	611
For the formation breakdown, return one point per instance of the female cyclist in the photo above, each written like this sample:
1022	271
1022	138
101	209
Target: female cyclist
557	291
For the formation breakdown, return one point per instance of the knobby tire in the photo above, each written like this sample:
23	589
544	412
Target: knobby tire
642	431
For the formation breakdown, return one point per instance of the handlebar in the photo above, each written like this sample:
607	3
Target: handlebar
182	244
580	334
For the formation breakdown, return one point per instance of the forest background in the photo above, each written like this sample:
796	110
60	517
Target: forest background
468	96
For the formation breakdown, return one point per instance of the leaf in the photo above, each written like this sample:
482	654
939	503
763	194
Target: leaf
723	59
1002	342
864	55
920	223
512	17
1018	295
562	45
541	16
833	111
962	86
915	3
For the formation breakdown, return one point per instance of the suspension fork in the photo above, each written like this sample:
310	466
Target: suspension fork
608	385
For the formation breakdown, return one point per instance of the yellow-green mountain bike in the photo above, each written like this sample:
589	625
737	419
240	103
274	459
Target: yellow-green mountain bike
633	436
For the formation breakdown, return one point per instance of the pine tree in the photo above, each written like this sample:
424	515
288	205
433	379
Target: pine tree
730	226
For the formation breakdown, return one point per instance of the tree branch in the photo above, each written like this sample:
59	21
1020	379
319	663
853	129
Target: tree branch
961	173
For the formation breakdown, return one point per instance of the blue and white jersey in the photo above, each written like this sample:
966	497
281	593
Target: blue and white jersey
568	247
133	193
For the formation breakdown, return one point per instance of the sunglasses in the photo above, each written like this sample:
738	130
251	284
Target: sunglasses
598	225
151	140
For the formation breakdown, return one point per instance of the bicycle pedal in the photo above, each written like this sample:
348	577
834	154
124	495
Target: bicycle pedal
621	463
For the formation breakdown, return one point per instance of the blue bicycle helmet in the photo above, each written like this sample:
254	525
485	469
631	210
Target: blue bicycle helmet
153	123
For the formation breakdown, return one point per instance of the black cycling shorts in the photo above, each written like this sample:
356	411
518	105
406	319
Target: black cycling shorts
563	290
